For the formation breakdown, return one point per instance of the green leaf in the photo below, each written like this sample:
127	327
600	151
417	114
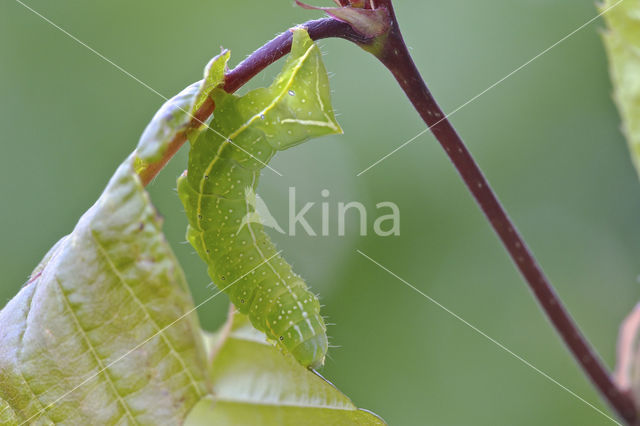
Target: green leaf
7	415
213	77
253	384
178	111
622	40
99	334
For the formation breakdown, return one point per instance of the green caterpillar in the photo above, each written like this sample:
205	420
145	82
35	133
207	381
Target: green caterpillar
225	163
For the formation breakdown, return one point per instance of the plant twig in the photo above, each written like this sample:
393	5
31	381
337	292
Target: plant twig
396	57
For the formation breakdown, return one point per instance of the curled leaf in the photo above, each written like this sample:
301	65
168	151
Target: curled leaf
177	112
105	331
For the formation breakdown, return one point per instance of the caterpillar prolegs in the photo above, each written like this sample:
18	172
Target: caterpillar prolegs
225	163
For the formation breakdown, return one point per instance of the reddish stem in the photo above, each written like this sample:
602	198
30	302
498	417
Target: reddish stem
281	45
396	57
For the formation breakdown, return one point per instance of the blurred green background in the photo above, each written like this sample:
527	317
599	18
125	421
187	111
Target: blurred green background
548	138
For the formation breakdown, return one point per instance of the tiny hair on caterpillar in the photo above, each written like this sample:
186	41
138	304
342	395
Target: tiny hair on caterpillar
218	194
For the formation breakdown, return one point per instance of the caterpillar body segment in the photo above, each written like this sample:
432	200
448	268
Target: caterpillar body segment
225	163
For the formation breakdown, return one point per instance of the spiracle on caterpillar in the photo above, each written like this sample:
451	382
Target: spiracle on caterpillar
225	163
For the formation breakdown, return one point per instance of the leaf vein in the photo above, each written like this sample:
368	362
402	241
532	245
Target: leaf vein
101	366
42	408
159	331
